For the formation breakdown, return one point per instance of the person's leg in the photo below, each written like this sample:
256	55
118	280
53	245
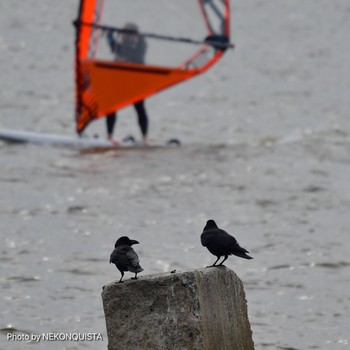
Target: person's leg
110	122
142	118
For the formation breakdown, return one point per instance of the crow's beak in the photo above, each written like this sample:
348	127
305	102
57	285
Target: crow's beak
132	241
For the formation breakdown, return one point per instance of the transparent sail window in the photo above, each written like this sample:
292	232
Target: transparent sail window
157	32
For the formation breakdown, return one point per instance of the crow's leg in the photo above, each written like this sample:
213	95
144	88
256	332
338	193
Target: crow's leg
214	262
122	272
134	278
221	264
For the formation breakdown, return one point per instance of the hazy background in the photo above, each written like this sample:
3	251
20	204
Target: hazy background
265	153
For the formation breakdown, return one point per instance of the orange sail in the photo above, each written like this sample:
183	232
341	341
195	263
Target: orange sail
105	84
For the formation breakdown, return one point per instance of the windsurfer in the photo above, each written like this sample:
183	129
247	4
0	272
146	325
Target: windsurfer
129	46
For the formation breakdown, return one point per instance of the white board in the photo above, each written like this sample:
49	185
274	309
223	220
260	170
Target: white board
19	136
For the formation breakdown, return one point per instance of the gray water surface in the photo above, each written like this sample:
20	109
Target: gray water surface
266	153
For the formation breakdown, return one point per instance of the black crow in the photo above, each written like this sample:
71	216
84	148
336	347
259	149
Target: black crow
125	258
220	243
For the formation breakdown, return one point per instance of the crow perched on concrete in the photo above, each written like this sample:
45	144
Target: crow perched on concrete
220	243
125	258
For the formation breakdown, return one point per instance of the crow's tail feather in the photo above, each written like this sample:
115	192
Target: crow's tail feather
242	255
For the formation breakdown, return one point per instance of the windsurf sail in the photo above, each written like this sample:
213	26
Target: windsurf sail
129	50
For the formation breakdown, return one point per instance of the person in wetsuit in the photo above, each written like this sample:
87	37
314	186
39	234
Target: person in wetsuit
129	46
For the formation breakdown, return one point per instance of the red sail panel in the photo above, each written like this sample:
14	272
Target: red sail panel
139	82
86	14
86	107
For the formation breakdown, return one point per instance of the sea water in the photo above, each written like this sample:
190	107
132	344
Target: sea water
265	152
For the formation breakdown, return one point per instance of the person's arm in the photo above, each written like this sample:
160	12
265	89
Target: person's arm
143	49
111	41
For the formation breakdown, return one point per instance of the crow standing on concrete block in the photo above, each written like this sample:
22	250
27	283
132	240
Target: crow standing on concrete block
220	243
125	258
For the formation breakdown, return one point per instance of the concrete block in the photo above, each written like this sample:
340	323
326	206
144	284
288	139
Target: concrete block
202	309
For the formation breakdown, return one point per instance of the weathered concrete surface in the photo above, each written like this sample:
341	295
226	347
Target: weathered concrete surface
202	309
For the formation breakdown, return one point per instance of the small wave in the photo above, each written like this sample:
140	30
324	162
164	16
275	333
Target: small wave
313	189
11	329
22	279
280	267
78	272
76	209
337	265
